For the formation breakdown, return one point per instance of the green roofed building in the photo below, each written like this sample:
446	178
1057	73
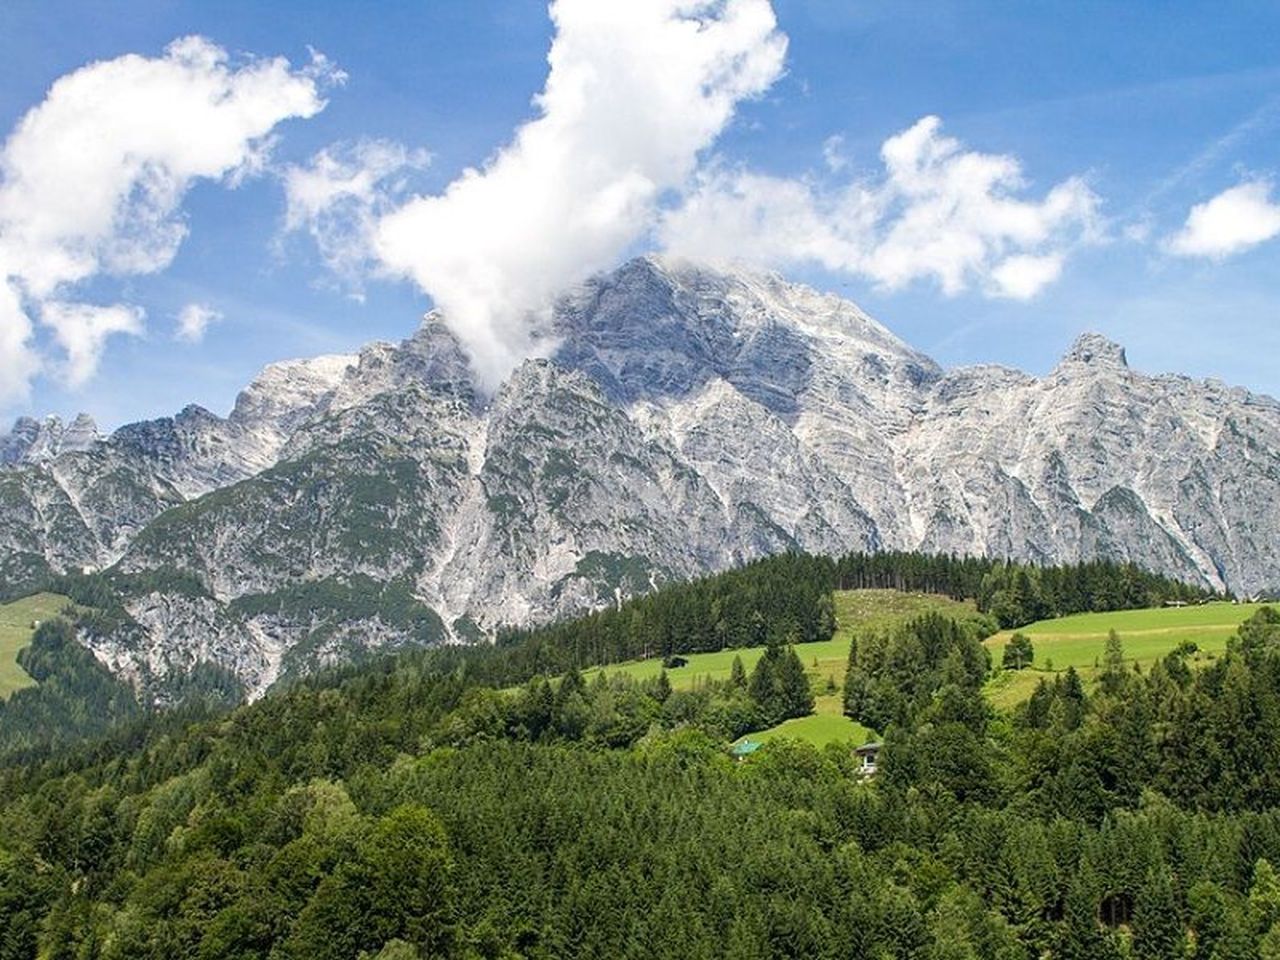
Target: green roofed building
745	748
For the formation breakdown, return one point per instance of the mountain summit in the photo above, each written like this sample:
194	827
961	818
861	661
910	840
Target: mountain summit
689	419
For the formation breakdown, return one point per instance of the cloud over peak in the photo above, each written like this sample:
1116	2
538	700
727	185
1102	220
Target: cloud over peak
92	180
634	93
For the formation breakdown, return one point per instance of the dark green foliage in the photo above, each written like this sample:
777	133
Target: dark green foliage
892	677
407	809
1018	652
778	687
1157	927
459	803
1015	593
76	696
395	885
783	599
1114	672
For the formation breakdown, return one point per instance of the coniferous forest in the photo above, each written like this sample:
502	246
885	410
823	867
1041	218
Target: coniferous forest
506	802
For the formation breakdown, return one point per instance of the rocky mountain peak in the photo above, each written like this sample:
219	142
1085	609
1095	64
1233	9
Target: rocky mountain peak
1093	349
34	441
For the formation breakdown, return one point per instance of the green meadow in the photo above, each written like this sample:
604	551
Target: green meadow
824	661
16	619
827	724
1147	635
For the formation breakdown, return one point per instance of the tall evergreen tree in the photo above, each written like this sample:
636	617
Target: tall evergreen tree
1157	925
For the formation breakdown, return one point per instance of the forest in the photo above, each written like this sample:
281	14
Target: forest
488	803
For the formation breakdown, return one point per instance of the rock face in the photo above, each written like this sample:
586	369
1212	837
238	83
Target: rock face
690	419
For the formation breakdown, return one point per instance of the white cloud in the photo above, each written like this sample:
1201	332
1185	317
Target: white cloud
937	212
18	362
194	320
635	91
338	196
91	182
1232	222
82	328
1023	275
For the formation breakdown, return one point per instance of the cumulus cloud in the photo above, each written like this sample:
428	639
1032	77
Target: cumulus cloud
339	195
194	320
937	212
92	180
1232	222
635	91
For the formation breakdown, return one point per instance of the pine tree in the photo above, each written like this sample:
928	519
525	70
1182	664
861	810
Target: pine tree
1018	652
1157	926
662	687
738	674
793	684
1114	674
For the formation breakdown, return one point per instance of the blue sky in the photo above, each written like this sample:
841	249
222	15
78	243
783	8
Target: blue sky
1142	110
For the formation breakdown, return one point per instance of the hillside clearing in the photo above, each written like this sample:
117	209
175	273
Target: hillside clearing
824	660
1147	635
827	724
16	631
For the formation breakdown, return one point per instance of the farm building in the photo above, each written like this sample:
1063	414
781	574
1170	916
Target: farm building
868	753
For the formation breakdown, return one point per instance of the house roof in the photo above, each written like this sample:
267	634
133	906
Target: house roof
745	747
873	747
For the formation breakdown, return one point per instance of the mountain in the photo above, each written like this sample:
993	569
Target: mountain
690	419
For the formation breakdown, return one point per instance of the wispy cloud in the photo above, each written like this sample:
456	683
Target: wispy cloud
193	320
339	196
1260	121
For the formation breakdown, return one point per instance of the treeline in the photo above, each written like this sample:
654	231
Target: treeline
75	698
1017	593
784	599
614	710
787	599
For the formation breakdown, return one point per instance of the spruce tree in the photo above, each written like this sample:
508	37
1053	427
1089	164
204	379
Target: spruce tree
793	685
1114	675
1157	926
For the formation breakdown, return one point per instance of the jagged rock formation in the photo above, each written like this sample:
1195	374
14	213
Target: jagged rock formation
689	419
33	441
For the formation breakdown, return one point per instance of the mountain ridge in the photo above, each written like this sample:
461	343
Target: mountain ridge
689	419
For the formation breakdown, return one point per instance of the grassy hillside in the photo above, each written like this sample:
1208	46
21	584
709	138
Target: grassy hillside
824	660
1147	635
827	724
15	633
